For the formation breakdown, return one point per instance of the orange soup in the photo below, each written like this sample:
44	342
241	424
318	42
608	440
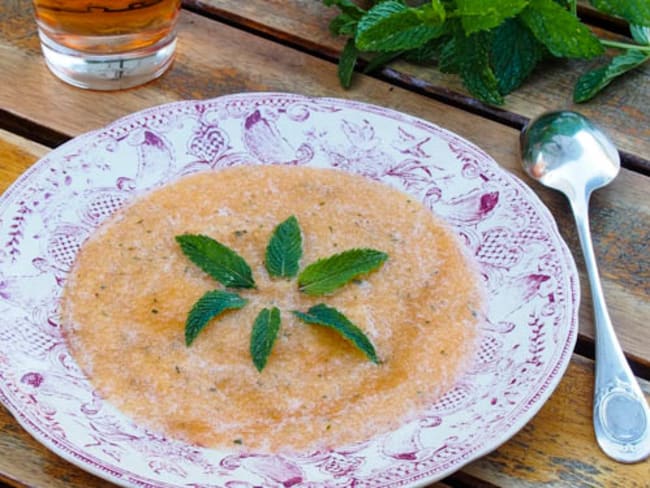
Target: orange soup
126	301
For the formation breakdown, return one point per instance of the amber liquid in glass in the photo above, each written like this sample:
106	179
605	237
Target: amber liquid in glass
106	26
107	44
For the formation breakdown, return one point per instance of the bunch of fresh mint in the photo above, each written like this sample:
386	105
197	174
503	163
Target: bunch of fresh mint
493	45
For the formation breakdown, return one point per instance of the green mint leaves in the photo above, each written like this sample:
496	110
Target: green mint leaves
640	34
473	61
265	330
392	26
283	254
493	45
210	305
285	249
515	53
346	64
328	274
592	82
326	316
632	57
219	261
560	31
478	15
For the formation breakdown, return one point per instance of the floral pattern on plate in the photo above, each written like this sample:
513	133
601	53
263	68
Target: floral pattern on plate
47	214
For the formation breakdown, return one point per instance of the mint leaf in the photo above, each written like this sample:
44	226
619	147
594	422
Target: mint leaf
514	54
346	22
448	62
321	314
474	66
560	31
347	7
594	81
567	4
432	13
206	308
328	274
347	62
426	53
477	15
634	11
640	34
219	261
265	331
284	249
343	25
380	60
392	26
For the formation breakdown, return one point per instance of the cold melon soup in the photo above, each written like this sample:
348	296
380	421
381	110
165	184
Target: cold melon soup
127	300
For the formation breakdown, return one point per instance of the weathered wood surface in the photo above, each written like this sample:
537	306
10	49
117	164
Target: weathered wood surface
623	109
204	69
557	447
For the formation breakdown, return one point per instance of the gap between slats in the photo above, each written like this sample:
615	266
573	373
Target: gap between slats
30	130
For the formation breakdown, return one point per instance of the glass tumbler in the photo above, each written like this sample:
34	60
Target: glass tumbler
107	44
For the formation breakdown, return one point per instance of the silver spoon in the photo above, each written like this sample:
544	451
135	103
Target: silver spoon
565	151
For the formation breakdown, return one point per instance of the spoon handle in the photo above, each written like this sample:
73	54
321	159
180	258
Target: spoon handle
621	414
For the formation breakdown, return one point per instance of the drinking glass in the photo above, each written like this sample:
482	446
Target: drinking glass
107	44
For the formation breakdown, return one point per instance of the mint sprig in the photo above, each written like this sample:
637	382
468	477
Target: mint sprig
493	45
326	316
593	81
265	331
514	54
632	57
219	261
478	15
392	26
282	258
284	250
328	274
348	60
473	62
640	34
560	31
210	305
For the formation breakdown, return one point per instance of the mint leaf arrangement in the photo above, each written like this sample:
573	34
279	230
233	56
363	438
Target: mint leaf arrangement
282	260
492	45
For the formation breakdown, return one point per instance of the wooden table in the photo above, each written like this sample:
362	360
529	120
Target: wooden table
229	46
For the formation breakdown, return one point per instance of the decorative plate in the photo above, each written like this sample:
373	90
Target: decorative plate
529	273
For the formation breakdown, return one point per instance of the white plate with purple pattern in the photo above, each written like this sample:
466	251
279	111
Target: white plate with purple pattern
529	274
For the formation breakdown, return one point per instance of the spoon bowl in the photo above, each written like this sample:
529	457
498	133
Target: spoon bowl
567	152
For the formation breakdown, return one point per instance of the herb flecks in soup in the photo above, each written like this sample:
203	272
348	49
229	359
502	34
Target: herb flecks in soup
131	287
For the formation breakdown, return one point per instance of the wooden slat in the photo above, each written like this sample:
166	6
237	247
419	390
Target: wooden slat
26	463
623	109
204	68
212	61
556	448
16	155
